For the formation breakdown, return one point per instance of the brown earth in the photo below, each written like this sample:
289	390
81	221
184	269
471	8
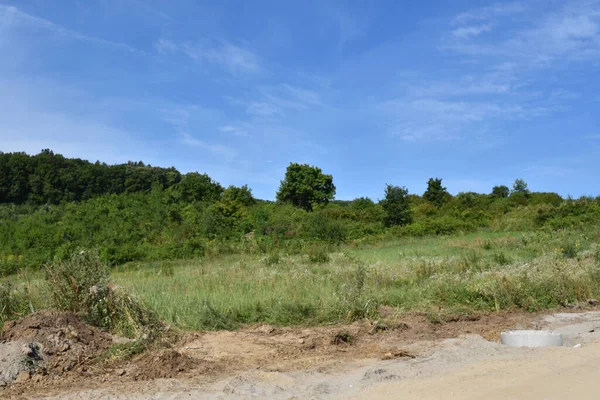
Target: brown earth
202	358
65	342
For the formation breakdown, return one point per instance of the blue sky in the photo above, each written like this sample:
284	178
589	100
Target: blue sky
373	92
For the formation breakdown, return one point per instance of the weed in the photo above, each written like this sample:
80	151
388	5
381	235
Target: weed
13	302
78	283
570	249
343	338
81	285
318	254
273	258
501	259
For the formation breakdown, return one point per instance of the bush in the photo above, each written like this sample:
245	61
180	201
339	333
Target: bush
78	283
320	227
81	285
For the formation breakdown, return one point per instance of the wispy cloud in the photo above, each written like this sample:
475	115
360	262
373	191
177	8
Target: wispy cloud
569	33
497	10
466	32
277	101
219	52
350	27
216	149
234	130
11	17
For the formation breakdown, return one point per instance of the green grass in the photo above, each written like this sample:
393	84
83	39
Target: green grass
470	273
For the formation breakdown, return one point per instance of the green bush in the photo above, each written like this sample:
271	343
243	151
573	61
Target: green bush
13	302
319	227
79	283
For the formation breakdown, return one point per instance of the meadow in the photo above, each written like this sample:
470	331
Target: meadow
443	277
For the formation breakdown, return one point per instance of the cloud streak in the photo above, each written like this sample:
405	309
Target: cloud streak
12	17
216	149
237	60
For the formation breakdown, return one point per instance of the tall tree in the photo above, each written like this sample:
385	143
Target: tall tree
520	186
500	191
305	185
396	206
198	187
435	193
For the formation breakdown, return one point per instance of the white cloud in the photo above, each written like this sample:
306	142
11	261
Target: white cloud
165	46
414	118
497	10
12	18
234	130
570	33
277	101
235	59
467	32
350	27
216	149
263	109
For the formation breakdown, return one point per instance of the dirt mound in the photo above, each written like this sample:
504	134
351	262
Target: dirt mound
65	342
165	364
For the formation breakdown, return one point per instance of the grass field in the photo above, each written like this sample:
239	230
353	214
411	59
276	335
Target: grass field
453	274
438	276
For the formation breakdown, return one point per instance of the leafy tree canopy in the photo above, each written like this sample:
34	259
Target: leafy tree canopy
396	206
500	191
436	193
305	185
520	186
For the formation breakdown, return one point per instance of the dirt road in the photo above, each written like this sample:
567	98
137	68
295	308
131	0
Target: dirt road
466	367
558	373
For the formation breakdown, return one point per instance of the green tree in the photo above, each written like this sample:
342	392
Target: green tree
436	193
241	195
362	203
520	186
500	191
198	187
305	185
396	206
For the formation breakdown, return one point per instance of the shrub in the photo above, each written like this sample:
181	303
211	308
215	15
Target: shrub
80	284
77	283
320	227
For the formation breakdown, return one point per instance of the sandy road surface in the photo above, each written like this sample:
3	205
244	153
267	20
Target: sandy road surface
559	373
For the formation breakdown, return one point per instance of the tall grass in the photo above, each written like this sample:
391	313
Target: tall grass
475	272
524	271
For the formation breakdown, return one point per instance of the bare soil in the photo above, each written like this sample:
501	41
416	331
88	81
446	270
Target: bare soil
65	343
205	358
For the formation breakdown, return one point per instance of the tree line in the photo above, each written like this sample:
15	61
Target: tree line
49	178
135	212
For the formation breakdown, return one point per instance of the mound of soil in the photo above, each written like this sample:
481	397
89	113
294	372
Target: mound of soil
65	342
